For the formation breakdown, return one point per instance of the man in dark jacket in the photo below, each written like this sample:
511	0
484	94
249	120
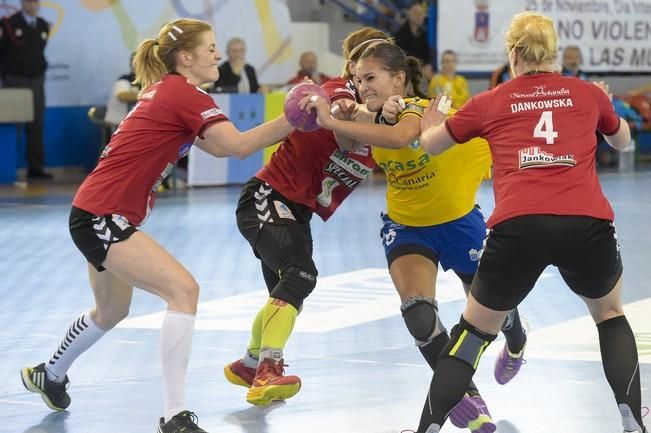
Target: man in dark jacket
412	37
23	37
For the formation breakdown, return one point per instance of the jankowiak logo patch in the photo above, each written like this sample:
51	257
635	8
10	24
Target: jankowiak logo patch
533	157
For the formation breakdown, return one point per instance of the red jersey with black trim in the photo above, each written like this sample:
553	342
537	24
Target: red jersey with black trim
158	131
541	133
310	169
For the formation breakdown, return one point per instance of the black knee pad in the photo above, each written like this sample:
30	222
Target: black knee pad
421	317
468	343
296	283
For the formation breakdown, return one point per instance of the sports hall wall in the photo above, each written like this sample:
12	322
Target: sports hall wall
90	45
92	39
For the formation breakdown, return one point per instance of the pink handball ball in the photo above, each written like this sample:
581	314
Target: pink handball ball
299	119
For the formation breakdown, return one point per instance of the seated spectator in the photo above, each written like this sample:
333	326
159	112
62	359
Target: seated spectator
375	13
308	65
448	83
412	38
235	75
572	60
124	96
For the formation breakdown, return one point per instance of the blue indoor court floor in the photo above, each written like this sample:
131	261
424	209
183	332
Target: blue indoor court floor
360	369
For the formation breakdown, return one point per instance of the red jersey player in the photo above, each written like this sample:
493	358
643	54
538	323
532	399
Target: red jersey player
309	173
549	210
117	196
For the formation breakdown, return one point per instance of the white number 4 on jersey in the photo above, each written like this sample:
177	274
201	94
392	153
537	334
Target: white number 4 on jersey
545	128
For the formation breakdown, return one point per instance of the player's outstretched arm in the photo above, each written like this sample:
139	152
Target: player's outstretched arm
224	139
390	137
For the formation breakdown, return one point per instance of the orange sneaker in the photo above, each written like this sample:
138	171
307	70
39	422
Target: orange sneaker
239	374
271	385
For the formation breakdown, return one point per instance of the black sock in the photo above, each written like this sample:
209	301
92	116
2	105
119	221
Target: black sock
449	384
431	352
619	358
512	330
452	375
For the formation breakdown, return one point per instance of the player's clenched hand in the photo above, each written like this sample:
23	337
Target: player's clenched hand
392	108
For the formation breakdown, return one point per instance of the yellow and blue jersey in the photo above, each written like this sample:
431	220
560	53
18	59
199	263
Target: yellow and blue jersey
425	190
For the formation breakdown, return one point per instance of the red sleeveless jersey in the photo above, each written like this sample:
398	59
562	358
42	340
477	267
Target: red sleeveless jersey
155	134
541	132
310	169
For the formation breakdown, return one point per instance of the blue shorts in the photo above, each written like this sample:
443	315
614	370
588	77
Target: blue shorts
457	244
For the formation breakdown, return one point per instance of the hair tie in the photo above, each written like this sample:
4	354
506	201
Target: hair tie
362	44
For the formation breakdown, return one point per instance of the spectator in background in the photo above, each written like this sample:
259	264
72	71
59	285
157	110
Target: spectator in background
23	37
124	96
376	14
448	83
412	38
235	75
308	65
500	75
572	60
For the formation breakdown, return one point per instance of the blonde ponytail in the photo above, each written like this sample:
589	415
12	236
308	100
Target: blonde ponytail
148	67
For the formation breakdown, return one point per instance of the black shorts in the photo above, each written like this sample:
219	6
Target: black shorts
277	228
518	250
94	234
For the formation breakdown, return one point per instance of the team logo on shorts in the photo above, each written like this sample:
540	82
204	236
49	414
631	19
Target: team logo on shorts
120	221
389	237
283	211
474	254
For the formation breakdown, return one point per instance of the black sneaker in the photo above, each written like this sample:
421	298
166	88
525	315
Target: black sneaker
53	394
183	422
39	174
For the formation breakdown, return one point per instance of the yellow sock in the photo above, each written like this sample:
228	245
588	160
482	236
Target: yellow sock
278	319
256	334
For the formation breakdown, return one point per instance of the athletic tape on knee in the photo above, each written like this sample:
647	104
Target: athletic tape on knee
296	283
468	343
421	317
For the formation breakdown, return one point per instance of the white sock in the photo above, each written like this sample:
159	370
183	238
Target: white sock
275	354
175	346
82	334
249	360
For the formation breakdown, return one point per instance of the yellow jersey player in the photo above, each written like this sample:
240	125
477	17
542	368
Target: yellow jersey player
431	214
